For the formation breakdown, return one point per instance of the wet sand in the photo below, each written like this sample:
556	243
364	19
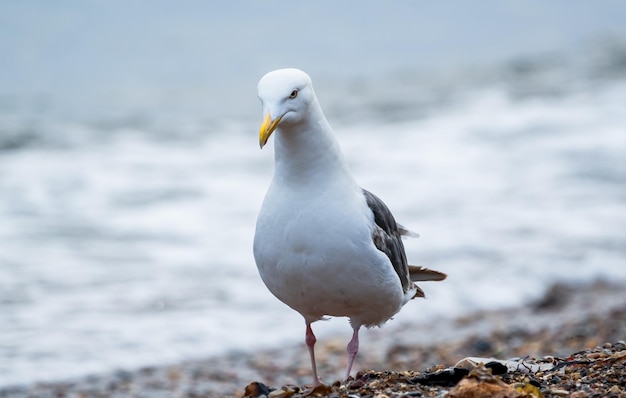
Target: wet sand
579	330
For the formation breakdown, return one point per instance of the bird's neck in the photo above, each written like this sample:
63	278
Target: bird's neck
307	151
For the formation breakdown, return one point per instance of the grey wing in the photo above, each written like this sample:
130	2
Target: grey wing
387	238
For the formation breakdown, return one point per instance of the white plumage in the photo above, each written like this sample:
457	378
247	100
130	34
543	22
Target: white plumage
323	245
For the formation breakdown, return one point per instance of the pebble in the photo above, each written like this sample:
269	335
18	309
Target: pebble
279	394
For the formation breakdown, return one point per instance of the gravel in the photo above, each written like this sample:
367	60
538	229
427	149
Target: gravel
568	344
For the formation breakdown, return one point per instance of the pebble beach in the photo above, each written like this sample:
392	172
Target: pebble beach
577	332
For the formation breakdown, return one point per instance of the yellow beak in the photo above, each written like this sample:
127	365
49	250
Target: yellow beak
267	128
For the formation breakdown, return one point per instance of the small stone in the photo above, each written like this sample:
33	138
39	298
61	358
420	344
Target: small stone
123	375
291	388
597	355
496	367
620	354
528	389
446	377
356	384
279	394
559	392
318	390
256	389
174	374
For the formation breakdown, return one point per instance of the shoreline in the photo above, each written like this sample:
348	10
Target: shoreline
566	320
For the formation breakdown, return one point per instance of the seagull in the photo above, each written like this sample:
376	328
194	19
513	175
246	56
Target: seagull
323	245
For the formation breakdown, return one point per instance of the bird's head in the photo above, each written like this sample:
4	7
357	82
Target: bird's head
286	95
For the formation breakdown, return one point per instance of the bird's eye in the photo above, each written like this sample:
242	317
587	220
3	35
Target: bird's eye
293	94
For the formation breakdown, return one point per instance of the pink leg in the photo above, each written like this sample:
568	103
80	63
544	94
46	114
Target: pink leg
353	349
310	343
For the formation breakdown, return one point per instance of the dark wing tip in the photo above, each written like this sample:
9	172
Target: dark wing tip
422	274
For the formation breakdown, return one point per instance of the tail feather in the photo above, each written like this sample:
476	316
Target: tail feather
419	292
421	274
405	232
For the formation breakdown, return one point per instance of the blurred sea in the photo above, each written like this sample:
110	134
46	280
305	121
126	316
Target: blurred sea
130	174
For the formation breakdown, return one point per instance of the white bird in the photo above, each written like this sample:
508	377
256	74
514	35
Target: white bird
323	245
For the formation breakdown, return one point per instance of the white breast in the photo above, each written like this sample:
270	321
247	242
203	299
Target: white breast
314	251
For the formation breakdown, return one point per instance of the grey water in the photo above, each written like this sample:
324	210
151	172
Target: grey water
130	174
